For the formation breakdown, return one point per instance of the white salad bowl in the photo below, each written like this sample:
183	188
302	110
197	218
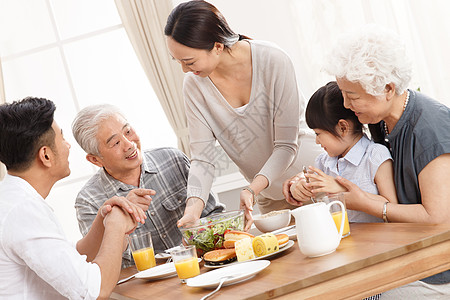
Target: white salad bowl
273	220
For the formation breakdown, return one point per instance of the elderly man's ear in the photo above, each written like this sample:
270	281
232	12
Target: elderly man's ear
94	160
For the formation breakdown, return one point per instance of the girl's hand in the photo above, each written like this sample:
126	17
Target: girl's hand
319	182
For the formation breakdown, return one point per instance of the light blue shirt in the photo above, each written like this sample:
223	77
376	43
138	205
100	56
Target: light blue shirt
359	166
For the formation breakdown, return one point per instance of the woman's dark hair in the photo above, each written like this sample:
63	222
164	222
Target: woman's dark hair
199	24
326	108
25	126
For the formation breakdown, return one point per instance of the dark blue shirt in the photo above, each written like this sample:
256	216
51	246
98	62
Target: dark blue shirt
421	135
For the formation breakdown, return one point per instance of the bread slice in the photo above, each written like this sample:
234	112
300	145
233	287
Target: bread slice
282	238
234	235
220	257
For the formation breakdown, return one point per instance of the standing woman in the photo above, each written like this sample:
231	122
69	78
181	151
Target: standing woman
373	72
243	94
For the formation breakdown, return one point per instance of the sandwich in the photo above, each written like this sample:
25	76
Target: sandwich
282	239
219	257
231	236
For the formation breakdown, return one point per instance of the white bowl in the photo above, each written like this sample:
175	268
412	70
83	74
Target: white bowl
273	220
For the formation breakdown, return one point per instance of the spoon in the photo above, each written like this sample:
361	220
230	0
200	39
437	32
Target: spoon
307	181
126	279
222	280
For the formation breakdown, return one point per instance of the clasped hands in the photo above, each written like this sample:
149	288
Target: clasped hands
302	187
133	206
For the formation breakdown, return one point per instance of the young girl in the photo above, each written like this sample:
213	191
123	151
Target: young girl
349	154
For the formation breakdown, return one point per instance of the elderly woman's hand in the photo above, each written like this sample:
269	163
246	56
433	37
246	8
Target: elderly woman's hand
354	197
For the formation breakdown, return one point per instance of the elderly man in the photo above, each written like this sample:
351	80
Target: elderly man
113	145
36	261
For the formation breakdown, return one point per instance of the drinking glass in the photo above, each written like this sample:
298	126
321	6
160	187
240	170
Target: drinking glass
186	262
142	250
336	212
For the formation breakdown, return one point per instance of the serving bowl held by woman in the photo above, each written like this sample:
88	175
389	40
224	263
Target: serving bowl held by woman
209	233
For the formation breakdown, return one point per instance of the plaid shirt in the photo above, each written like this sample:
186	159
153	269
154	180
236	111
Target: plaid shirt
164	170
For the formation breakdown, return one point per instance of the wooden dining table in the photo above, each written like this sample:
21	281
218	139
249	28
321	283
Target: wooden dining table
376	257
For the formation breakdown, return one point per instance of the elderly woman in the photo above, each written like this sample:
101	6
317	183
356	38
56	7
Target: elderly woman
373	72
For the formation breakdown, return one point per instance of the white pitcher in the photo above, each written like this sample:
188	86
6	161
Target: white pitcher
316	232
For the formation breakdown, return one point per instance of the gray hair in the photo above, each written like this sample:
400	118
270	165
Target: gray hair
372	56
86	123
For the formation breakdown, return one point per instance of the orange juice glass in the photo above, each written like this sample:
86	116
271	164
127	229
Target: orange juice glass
337	218
336	212
186	262
142	250
144	258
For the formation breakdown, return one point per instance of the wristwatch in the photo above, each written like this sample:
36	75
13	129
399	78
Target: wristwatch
251	191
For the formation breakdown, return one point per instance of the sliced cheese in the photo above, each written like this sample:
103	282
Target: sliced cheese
244	249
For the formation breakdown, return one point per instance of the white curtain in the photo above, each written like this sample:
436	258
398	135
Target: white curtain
2	100
423	24
144	22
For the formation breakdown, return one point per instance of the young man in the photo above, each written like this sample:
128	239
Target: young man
112	144
36	260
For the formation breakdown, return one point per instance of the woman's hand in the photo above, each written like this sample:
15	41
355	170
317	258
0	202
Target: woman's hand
287	190
246	198
354	195
319	182
192	212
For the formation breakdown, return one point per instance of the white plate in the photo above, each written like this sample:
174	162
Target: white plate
238	273
289	230
292	233
162	255
289	244
161	271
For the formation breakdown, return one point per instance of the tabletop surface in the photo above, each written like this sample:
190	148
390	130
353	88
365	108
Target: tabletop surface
368	244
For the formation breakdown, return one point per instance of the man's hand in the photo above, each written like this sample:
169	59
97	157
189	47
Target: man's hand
122	202
141	197
119	217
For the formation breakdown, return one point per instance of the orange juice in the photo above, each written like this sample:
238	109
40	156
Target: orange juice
337	218
144	259
187	268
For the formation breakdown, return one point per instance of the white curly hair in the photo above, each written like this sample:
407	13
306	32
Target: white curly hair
86	123
372	56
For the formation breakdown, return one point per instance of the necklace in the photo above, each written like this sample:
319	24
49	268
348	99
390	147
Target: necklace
404	107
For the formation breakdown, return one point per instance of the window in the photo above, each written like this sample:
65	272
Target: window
77	53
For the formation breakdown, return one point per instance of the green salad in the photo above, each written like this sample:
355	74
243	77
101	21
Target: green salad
210	234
